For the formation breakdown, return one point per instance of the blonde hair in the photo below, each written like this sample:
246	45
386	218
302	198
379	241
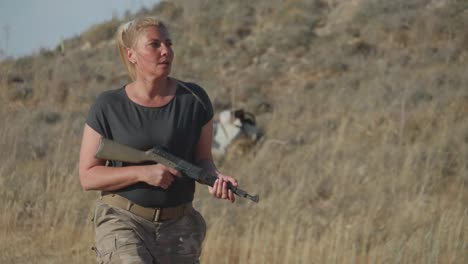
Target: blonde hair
127	35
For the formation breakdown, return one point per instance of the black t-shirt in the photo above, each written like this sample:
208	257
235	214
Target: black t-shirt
175	126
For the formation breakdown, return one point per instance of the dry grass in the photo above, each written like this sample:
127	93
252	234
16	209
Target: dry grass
364	154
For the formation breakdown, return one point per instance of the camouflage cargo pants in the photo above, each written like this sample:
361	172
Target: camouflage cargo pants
122	237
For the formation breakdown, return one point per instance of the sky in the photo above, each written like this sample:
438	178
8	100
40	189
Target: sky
26	26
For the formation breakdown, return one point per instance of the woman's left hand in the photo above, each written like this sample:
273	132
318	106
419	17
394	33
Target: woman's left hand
220	189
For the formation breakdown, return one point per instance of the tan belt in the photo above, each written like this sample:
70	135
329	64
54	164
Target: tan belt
148	213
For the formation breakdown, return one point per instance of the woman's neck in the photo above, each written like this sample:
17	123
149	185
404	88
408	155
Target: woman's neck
150	93
151	88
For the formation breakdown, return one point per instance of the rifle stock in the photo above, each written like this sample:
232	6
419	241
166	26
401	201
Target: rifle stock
110	150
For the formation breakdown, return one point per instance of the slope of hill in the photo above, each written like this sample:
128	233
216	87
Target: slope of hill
364	109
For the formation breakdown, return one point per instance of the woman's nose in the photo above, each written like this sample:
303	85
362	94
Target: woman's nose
165	49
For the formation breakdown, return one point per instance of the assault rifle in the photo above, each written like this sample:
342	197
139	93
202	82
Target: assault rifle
110	150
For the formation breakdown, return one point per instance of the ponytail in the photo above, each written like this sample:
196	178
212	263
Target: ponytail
121	45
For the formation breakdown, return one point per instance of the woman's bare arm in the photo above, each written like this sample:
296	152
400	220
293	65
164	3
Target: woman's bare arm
94	175
205	160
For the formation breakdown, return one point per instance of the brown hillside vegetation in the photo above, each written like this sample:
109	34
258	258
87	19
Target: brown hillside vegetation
363	106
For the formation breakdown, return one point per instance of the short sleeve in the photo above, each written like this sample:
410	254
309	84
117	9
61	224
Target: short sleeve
96	118
204	100
208	106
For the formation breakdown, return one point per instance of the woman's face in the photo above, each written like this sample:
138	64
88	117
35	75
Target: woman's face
152	53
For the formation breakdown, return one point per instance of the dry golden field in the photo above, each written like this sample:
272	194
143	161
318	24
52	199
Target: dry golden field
363	105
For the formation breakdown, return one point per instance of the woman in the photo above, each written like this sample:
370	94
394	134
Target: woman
154	109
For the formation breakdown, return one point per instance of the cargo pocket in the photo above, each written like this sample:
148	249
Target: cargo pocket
116	241
123	250
184	239
201	223
104	248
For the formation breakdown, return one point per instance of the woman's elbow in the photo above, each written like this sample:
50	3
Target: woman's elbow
85	181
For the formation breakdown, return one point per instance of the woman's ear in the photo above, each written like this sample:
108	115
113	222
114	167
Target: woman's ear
131	55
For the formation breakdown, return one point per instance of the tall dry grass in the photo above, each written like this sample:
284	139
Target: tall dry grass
352	192
364	153
353	198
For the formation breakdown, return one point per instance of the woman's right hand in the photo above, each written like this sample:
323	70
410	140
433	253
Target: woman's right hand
159	175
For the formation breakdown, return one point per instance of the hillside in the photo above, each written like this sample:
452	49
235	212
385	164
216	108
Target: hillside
363	105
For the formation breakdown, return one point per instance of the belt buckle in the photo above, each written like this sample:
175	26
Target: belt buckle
157	214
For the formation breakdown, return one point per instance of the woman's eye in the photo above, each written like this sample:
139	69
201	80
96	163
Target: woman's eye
158	44
155	44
